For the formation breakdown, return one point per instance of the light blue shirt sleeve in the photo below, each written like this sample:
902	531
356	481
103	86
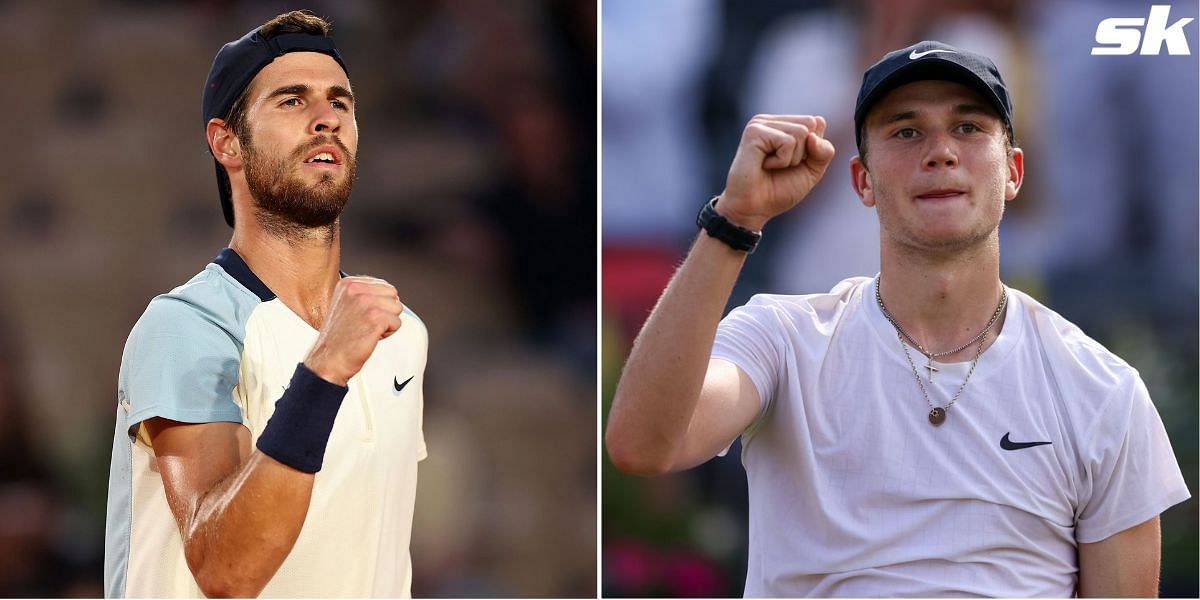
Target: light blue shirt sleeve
181	363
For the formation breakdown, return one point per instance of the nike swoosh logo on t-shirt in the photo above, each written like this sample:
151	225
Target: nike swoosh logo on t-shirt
400	386
914	55
1006	444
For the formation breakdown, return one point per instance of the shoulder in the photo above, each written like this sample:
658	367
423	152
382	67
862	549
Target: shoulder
1071	353
210	304
821	311
182	356
1096	390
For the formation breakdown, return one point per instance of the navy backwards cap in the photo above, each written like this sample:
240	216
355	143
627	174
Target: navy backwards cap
931	60
235	67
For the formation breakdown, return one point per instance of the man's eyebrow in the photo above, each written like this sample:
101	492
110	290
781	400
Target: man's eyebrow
973	109
900	116
296	89
338	91
299	89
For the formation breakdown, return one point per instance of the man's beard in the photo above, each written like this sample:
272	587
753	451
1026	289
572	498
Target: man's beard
283	203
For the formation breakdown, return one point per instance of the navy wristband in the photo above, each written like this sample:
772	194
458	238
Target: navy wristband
297	433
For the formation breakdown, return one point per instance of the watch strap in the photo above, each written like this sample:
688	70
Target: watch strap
717	226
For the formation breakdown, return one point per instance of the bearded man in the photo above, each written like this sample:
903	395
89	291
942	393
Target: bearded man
231	388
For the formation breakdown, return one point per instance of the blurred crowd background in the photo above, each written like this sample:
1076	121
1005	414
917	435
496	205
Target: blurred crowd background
1104	230
475	197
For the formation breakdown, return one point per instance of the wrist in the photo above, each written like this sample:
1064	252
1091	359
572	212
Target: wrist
298	430
728	208
325	371
717	226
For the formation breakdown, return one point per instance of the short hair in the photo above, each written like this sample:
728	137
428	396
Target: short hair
297	21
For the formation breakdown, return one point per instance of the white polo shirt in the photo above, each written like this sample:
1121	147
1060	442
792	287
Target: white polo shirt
222	347
852	492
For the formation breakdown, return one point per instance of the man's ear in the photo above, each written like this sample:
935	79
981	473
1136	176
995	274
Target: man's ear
224	144
860	178
1016	173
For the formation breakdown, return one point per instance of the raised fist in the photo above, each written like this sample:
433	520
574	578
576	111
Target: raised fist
364	310
779	161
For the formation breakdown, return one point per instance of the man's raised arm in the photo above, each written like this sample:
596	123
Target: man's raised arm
675	408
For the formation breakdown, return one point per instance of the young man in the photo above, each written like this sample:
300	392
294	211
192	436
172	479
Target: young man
269	416
928	431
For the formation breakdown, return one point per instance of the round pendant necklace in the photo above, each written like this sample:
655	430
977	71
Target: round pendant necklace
937	414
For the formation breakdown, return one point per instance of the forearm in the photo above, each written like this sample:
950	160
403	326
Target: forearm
244	528
661	382
241	527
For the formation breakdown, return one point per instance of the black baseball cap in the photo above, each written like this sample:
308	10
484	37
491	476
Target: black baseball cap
235	67
932	60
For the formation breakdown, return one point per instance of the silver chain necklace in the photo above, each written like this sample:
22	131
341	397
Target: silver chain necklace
929	356
937	415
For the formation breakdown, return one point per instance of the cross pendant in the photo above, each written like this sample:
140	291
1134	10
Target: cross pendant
929	367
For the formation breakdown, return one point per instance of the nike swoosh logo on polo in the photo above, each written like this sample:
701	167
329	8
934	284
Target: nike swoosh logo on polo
1007	444
914	55
400	386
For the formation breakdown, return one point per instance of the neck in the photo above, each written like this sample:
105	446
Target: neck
943	300
300	268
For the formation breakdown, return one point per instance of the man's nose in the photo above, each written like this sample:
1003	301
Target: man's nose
326	120
941	153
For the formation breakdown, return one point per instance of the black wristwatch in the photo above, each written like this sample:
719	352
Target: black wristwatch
738	238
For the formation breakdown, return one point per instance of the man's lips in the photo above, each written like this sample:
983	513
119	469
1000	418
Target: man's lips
940	194
328	152
322	165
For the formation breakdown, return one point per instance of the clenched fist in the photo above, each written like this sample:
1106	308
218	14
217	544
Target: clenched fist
364	310
778	161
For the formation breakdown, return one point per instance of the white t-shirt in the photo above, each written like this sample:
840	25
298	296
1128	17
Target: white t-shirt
854	493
